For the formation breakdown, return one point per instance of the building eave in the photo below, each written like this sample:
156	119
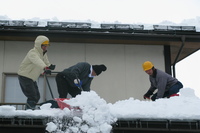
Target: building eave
129	37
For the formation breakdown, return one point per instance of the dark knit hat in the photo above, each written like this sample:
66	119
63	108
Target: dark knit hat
99	68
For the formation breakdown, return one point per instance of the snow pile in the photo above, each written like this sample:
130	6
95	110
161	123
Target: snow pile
183	107
96	115
7	111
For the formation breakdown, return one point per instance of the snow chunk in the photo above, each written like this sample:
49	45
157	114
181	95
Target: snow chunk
105	128
51	127
77	119
46	106
187	92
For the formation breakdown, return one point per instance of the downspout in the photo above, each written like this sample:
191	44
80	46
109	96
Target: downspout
179	52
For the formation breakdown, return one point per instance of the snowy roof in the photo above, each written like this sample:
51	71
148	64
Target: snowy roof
91	25
76	32
97	115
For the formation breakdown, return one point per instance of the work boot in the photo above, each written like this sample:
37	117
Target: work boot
30	105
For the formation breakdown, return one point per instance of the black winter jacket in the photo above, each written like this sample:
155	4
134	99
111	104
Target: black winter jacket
81	71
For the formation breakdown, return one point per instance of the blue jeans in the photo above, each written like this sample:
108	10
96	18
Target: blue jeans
173	90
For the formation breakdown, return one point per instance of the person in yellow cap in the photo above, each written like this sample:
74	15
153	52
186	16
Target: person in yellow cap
166	85
34	63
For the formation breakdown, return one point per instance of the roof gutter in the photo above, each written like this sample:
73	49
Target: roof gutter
179	52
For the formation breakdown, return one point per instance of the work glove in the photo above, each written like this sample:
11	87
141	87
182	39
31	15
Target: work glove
153	98
78	83
52	67
47	71
148	95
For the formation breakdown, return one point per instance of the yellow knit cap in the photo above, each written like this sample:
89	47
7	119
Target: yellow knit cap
46	43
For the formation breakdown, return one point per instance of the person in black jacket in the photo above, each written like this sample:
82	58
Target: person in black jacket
77	78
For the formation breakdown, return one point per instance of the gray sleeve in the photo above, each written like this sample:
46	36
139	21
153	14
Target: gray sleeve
86	87
152	87
162	83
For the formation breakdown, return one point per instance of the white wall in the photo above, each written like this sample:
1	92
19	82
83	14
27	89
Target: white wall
123	79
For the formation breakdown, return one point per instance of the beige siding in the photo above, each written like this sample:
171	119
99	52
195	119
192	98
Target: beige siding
1	65
15	52
65	55
109	85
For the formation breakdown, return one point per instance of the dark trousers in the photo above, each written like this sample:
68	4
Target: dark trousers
64	87
173	90
30	90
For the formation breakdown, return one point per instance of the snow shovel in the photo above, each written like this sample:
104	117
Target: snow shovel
59	101
49	85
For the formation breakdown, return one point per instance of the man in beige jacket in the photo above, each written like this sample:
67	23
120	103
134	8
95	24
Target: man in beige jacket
35	62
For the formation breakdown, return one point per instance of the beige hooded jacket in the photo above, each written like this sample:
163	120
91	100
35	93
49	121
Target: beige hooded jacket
34	62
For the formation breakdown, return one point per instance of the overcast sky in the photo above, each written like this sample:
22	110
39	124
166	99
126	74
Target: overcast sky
170	12
124	11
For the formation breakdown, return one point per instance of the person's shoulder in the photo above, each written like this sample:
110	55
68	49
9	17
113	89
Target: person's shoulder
84	63
160	72
32	51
